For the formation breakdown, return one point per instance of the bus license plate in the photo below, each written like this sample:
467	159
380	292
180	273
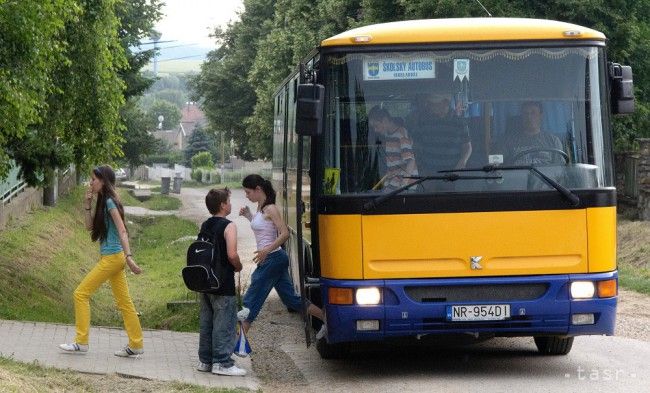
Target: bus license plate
482	312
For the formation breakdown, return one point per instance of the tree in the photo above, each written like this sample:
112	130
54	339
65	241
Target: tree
138	141
136	18
64	75
176	97
200	141
223	88
31	48
81	115
237	82
172	115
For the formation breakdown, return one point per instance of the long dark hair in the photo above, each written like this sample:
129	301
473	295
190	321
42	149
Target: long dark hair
100	229
253	181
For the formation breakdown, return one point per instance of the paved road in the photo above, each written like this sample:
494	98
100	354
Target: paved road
596	364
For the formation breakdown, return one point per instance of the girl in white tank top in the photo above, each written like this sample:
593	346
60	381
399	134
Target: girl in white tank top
272	262
266	233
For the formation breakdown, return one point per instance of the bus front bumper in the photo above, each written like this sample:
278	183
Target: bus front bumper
538	305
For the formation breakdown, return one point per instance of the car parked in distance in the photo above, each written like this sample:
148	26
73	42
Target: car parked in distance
120	174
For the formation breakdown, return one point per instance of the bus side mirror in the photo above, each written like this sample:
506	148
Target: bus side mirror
309	109
622	93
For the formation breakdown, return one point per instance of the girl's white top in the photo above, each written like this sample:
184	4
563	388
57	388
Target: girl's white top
265	231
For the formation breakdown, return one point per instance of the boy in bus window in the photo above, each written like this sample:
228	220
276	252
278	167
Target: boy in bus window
441	138
397	148
529	144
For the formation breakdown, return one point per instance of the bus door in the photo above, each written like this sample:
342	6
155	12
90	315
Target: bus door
303	230
297	201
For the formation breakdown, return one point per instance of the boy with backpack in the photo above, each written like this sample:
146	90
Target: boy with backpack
218	315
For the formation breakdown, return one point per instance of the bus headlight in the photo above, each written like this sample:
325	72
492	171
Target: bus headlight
582	289
367	296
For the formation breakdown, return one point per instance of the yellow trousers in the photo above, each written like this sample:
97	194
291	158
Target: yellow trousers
109	268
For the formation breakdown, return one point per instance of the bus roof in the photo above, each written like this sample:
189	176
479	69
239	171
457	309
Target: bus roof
462	30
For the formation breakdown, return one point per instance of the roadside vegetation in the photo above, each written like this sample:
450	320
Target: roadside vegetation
155	202
41	274
31	377
633	249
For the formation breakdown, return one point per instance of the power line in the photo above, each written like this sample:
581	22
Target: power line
180	58
169	47
156	42
177	46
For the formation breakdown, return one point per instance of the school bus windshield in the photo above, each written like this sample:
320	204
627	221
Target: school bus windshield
391	115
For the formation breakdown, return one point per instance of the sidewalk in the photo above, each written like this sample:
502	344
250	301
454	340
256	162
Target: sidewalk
169	356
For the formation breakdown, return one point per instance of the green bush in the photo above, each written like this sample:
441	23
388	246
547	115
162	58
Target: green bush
202	160
197	175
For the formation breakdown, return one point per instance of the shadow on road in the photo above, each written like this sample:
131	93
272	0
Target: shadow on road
450	356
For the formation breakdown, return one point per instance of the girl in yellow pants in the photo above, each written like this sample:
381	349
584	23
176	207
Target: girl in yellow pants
107	226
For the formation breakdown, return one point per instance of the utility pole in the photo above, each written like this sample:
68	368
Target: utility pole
223	150
155	37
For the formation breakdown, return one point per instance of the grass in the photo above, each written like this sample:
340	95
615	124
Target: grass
633	248
41	274
156	202
32	377
160	244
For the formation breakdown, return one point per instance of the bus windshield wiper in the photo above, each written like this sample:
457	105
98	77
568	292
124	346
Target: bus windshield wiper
421	179
565	192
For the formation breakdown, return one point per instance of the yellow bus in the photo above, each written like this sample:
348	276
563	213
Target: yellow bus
453	176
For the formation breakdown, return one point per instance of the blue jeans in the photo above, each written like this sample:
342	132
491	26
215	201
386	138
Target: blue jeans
272	273
217	324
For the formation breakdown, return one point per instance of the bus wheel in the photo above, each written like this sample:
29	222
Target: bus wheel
332	351
551	345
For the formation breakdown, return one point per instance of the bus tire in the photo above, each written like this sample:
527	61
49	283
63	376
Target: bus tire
332	351
552	345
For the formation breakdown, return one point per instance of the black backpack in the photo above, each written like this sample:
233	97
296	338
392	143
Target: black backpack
203	272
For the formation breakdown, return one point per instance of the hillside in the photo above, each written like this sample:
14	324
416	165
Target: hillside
633	262
44	257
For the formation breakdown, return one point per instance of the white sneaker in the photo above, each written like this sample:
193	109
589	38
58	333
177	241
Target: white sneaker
126	352
204	367
232	370
322	333
74	347
243	314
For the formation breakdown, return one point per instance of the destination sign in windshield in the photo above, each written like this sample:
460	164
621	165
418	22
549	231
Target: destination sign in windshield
398	68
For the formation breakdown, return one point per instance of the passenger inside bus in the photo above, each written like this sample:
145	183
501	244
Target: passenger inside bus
397	148
528	144
440	137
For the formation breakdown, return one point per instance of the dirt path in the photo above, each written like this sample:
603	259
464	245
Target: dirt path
633	315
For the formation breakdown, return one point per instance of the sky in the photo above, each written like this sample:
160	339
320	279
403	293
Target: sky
192	21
